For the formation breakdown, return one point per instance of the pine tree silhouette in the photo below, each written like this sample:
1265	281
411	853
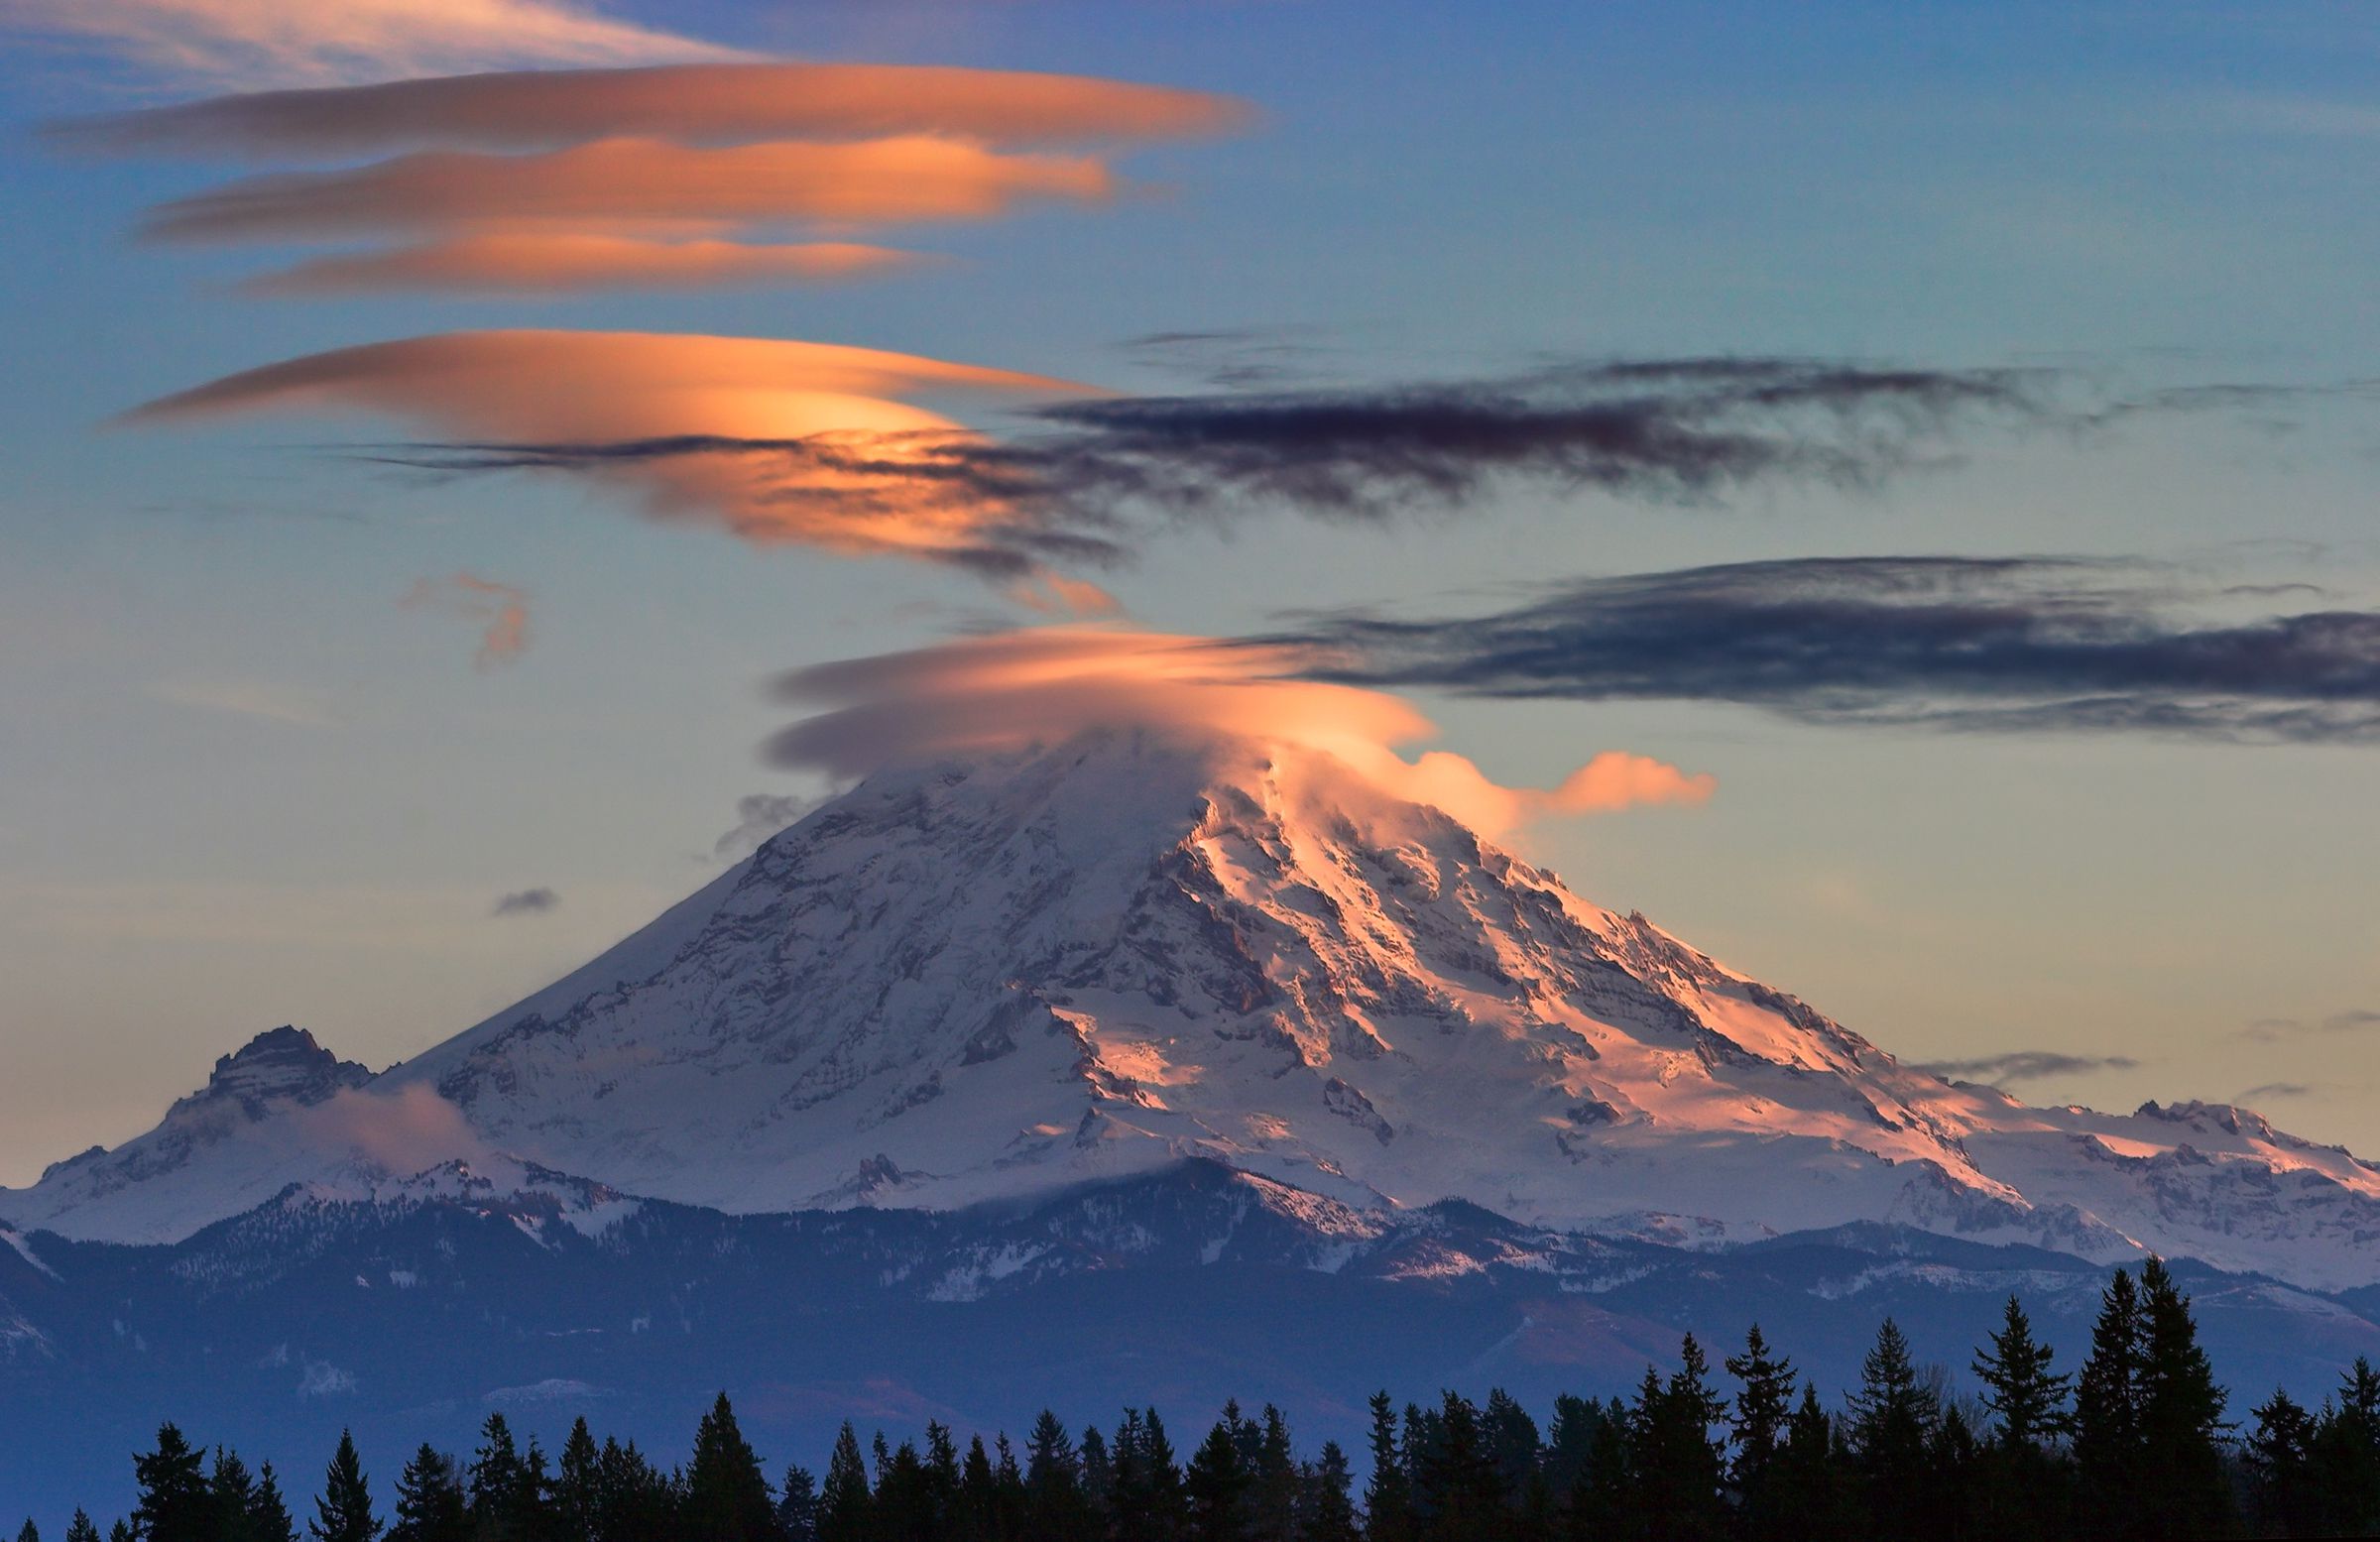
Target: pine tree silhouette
846	1504
1330	1512
430	1507
2180	1418
1388	1497
269	1517
1763	1408
343	1511
727	1495
2107	1415
173	1503
1217	1486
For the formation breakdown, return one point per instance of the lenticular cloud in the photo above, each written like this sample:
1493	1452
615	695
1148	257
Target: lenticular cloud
687	104
1038	686
675	396
680	176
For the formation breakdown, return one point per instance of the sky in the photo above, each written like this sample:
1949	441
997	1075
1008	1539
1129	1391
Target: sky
1932	446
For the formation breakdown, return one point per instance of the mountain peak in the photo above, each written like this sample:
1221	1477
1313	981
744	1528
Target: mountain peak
991	976
284	1063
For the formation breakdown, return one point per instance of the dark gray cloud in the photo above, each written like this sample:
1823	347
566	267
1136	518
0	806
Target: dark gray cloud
1973	644
760	815
2272	1090
1086	480
1082	480
526	901
2026	1065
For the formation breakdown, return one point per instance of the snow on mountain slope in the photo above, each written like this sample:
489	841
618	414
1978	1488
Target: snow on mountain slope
260	1118
997	976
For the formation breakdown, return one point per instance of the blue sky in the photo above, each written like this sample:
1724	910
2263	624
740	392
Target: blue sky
241	783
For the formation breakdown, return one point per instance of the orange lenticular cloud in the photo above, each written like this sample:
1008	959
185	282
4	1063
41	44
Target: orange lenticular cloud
642	387
629	183
564	262
330	40
1038	686
687	104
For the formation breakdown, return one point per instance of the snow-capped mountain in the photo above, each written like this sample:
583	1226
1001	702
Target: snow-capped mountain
997	978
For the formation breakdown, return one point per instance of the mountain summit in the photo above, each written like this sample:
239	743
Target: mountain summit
997	977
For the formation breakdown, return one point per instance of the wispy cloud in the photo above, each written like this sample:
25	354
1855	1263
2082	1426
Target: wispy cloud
275	42
500	610
526	901
1965	644
2027	1065
266	700
2272	1090
532	263
2267	1031
760	815
626	184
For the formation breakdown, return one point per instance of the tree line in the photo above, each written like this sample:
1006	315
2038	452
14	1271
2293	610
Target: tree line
2133	1444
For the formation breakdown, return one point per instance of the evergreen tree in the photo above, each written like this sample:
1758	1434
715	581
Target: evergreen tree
904	1510
2107	1413
269	1517
2182	1429
942	1474
1329	1512
1512	1440
1217	1486
1145	1497
1099	1474
1808	1494
637	1499
2026	1398
343	1511
727	1495
1763	1408
1675	1464
2021	1485
2280	1459
81	1528
1008	1498
577	1495
1892	1419
2346	1451
797	1506
1465	1500
497	1479
29	1532
1388	1497
979	1499
173	1503
233	1493
430	1507
1946	1493
846	1505
121	1531
1272	1488
1053	1482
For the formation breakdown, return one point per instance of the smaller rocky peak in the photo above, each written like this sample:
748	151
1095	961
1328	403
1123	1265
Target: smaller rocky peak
282	1064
